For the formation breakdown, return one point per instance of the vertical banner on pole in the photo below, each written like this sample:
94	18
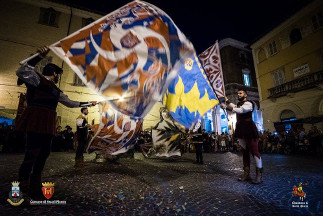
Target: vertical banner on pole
211	62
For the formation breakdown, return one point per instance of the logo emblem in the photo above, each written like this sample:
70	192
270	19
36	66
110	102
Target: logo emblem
15	196
48	189
298	191
189	64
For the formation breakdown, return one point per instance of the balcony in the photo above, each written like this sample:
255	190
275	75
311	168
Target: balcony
309	81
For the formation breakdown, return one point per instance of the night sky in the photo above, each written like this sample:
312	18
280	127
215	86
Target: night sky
205	21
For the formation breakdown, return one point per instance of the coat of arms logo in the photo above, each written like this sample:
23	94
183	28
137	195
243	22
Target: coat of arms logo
15	195
48	189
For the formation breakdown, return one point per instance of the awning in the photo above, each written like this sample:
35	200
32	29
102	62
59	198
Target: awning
313	120
308	120
8	113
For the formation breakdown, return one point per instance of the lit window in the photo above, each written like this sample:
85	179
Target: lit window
48	16
272	48
246	79
246	76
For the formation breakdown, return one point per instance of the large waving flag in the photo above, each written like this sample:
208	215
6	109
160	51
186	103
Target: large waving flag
131	54
166	136
190	94
211	62
116	132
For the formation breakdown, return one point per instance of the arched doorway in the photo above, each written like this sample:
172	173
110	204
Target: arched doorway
287	115
288	122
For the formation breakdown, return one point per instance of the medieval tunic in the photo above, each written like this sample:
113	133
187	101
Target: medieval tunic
245	127
42	99
82	135
82	129
38	121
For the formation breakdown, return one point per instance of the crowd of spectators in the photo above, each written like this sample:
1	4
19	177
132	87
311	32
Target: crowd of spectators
291	142
64	140
12	141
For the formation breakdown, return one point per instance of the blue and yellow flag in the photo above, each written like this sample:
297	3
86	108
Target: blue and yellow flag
190	95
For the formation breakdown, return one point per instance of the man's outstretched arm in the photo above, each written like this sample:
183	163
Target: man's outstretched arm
63	99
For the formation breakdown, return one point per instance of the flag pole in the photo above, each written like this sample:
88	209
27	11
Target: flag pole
29	58
225	113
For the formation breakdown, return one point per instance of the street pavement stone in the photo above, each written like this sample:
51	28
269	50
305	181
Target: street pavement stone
161	186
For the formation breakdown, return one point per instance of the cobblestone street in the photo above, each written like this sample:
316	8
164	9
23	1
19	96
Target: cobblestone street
156	186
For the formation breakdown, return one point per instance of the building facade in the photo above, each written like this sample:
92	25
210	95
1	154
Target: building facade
238	73
27	25
289	69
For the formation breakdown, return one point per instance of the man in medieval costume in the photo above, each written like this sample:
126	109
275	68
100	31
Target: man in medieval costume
38	120
247	134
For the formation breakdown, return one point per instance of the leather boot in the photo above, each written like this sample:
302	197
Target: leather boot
246	174
79	162
258	179
35	188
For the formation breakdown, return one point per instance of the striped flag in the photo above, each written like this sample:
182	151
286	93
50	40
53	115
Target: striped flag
116	132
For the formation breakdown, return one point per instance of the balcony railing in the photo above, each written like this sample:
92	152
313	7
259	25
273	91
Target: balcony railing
310	81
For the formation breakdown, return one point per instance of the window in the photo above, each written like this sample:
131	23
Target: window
48	16
87	21
279	77
77	81
295	36
243	57
261	55
272	48
317	20
246	77
287	115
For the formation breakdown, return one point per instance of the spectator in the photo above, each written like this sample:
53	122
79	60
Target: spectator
205	140
315	141
223	142
82	137
214	142
68	139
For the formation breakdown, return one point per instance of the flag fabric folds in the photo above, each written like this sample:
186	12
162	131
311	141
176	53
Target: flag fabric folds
190	95
211	62
131	55
116	133
166	136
